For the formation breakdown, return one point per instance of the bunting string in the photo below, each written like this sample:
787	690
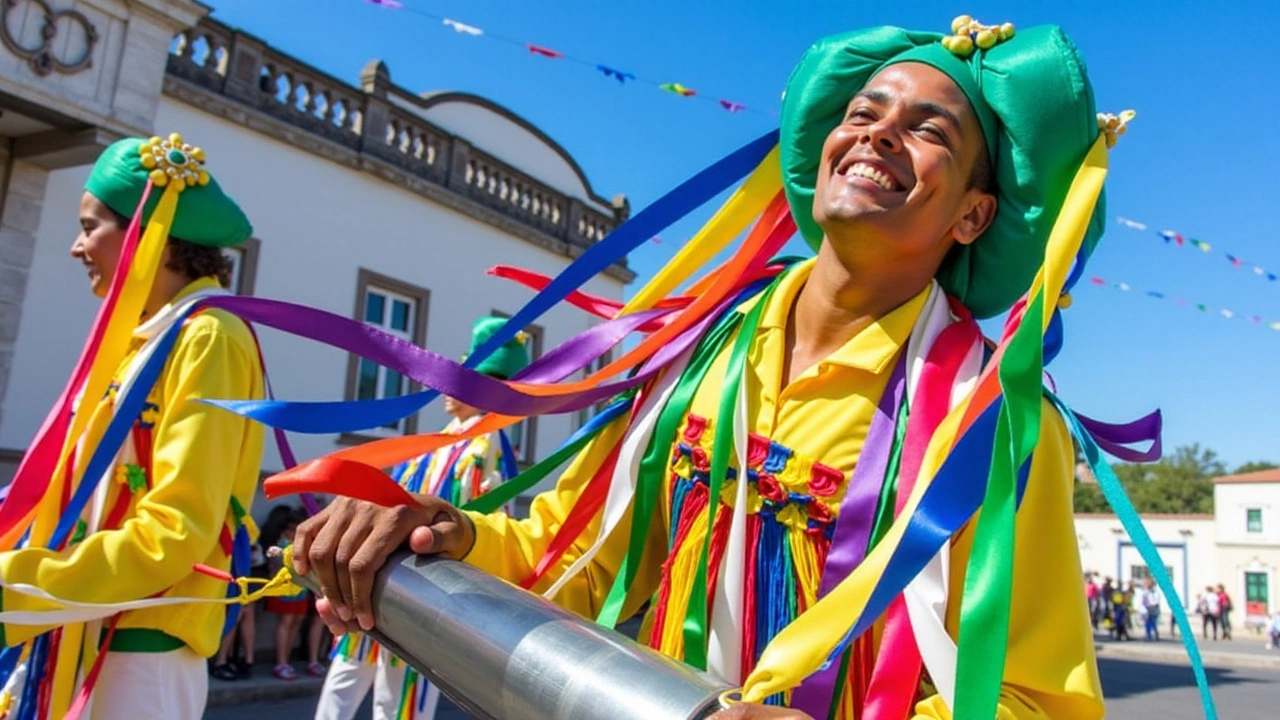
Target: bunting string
1225	313
1177	239
612	72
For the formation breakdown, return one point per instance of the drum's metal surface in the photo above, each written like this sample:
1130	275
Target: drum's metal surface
502	653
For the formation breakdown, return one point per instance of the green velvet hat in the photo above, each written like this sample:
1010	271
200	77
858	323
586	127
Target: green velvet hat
1032	97
205	214
507	360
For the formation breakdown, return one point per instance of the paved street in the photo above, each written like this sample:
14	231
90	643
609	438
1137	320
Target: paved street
1134	689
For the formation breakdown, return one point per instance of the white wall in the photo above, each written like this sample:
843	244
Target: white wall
318	223
500	137
1185	543
1231	503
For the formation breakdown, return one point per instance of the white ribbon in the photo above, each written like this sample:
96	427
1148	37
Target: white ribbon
622	486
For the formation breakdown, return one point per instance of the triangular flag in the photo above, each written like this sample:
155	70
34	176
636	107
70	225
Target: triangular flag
621	76
1228	314
1122	287
1233	260
1154	294
1171	235
1131	223
389	4
1272	276
731	106
1204	246
1097	280
678	89
1258	271
1275	326
544	52
463	27
1256	320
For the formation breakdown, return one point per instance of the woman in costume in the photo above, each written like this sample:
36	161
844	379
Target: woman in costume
126	515
457	473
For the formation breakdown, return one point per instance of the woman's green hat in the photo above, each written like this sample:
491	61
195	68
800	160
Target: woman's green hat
507	360
205	215
1032	97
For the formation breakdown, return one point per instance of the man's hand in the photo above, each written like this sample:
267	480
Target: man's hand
348	542
743	711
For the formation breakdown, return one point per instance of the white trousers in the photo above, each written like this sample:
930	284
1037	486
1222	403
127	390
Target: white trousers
170	685
348	681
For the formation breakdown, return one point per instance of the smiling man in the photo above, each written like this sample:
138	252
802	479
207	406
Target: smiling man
927	172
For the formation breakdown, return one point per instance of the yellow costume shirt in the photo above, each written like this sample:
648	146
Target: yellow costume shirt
810	434
202	457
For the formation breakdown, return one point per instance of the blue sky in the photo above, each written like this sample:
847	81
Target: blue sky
1200	159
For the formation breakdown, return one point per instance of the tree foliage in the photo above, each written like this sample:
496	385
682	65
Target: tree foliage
1181	482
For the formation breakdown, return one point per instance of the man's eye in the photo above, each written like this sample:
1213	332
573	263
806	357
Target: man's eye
861	116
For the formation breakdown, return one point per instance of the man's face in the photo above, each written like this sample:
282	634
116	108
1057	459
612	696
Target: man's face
458	409
98	244
899	166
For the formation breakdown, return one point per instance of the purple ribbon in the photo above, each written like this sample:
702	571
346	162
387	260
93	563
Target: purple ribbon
853	527
437	371
1113	438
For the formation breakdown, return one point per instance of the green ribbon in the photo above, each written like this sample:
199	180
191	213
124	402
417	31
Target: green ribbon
988	583
695	620
507	491
657	455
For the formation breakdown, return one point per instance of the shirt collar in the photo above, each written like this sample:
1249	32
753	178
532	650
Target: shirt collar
872	349
207	284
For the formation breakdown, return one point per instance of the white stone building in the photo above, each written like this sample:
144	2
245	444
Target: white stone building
367	201
1186	544
1238	546
1247	508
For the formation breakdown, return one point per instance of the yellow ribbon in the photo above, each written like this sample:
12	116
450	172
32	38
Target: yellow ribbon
744	206
115	343
804	645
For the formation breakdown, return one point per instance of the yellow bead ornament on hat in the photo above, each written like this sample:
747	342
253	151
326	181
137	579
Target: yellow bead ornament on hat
173	162
968	34
1113	126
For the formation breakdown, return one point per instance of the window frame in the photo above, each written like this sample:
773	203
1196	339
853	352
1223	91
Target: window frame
1249	515
527	449
365	280
245	280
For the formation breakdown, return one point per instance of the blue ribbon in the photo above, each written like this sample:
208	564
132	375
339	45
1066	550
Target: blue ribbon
948	503
353	416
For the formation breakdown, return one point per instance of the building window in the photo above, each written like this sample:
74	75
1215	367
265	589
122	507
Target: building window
1257	599
1253	521
1139	573
585	414
399	309
524	434
244	266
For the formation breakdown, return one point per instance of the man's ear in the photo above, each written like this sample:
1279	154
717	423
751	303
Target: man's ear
977	218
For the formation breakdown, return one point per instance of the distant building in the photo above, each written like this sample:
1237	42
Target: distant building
1238	546
1247	509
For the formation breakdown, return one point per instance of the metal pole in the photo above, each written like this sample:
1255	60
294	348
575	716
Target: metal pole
502	653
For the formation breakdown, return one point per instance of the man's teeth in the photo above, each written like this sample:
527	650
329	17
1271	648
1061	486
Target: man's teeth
866	171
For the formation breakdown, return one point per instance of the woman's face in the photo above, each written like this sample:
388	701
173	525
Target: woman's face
98	244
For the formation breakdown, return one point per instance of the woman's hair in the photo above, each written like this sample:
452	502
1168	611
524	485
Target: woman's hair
194	261
274	526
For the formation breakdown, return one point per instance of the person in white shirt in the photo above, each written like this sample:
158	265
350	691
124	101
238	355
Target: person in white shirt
1210	609
1150	600
1274	630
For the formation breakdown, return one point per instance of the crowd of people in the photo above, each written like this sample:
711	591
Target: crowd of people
1114	606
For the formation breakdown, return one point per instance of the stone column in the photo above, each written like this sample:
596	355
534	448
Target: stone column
24	189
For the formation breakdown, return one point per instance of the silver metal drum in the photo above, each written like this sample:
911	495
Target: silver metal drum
502	653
